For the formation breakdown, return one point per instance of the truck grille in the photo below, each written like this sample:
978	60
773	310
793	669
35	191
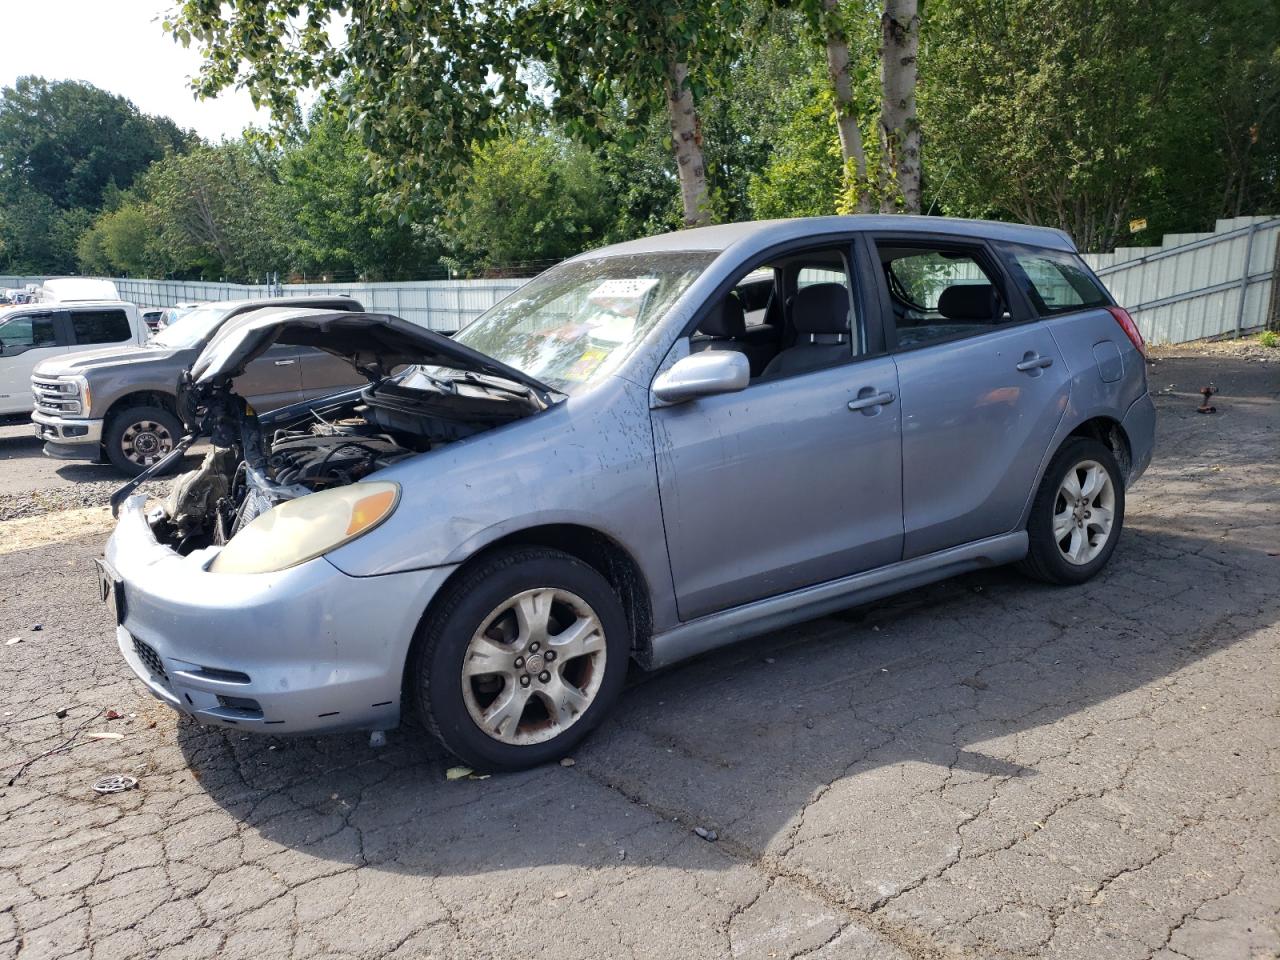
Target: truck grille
60	398
150	658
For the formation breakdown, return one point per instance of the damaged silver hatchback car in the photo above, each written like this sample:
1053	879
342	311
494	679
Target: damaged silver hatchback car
646	452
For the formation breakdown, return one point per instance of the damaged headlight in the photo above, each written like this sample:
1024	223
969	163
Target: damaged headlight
305	528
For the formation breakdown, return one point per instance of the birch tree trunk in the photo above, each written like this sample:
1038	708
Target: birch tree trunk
851	148
899	129
687	142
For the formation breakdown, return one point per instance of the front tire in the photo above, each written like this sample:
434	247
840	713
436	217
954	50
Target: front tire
1077	515
139	436
525	654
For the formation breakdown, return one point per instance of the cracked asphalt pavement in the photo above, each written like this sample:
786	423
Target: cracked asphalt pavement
985	768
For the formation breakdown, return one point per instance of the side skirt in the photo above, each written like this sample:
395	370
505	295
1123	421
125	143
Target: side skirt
728	626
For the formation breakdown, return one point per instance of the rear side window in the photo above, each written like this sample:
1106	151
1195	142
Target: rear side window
1056	281
100	326
940	293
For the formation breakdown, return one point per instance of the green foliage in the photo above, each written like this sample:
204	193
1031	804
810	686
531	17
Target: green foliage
528	198
66	149
802	177
753	107
71	141
598	51
1270	339
36	236
1082	115
119	242
216	209
340	222
421	81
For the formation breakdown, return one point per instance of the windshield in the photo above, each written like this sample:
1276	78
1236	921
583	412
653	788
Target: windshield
192	329
577	322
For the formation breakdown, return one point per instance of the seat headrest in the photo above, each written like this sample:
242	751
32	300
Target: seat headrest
821	308
726	319
969	301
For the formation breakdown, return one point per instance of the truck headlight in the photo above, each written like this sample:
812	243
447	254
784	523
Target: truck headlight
82	384
305	528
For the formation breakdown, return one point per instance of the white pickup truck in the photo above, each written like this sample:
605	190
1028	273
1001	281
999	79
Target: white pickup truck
73	314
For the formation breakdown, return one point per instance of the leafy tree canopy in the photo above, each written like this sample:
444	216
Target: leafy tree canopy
70	141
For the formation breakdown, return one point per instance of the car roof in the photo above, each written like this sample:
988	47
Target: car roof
46	305
759	234
301	300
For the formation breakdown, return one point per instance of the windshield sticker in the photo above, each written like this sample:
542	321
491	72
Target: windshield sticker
586	365
610	292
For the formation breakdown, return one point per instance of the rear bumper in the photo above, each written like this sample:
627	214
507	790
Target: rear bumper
305	650
1139	425
71	439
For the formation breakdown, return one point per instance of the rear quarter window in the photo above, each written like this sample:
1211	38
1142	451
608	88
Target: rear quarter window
1056	281
100	326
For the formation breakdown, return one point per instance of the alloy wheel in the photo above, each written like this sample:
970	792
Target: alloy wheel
145	442
534	666
1084	512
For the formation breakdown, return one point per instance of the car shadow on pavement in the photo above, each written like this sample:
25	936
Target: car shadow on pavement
974	679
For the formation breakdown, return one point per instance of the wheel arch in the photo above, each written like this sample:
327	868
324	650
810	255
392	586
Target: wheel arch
141	398
1103	427
597	550
1107	430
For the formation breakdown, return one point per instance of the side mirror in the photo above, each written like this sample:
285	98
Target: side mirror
703	375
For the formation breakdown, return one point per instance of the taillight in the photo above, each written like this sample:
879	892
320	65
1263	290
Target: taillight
1130	328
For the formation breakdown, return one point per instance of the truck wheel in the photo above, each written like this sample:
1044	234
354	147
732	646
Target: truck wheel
139	436
523	656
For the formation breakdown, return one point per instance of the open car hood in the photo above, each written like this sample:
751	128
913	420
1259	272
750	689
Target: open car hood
374	343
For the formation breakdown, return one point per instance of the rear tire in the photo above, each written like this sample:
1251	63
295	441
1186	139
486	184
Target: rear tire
139	436
1077	515
525	654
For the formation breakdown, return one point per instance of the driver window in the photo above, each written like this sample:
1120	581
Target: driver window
812	325
28	330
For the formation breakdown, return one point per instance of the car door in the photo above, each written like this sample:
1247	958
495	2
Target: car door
274	379
27	338
983	387
791	482
323	373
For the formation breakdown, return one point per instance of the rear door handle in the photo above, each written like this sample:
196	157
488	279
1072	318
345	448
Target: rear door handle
285	363
1034	362
875	400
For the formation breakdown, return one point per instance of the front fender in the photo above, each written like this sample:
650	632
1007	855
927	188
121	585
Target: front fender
587	461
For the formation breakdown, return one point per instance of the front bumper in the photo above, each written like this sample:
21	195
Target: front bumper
304	650
67	438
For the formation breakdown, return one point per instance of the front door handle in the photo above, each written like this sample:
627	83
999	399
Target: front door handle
874	400
285	363
1034	361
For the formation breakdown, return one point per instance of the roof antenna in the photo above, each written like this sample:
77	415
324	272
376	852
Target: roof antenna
934	202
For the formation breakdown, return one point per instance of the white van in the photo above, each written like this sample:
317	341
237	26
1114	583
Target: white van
33	332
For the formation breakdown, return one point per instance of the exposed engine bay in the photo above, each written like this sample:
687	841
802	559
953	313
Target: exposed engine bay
257	463
425	390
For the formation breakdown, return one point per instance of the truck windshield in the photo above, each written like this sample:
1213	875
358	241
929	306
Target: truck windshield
577	322
191	330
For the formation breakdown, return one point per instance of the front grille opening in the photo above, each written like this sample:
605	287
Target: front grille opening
150	658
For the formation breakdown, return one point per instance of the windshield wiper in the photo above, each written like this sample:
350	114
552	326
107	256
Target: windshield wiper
503	385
